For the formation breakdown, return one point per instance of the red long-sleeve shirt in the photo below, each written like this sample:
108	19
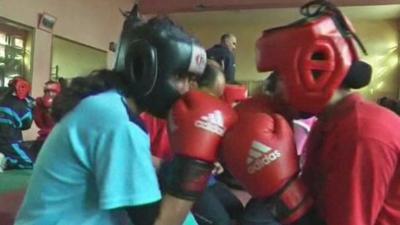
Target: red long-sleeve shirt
353	166
158	133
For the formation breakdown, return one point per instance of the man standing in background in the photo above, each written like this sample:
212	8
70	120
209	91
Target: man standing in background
223	54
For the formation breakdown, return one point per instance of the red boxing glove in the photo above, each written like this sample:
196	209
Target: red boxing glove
260	153
196	123
265	104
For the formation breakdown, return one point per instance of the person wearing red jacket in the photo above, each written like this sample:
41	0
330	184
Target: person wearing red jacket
42	111
42	114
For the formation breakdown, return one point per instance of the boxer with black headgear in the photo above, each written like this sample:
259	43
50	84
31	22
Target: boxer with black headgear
148	56
95	166
352	153
15	116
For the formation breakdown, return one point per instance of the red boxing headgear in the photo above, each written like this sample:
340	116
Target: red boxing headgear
52	86
312	57
21	87
234	93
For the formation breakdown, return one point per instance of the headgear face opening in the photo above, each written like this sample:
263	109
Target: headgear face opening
150	54
312	66
21	87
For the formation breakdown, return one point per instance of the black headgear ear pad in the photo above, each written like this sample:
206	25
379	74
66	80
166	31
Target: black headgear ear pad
359	75
141	67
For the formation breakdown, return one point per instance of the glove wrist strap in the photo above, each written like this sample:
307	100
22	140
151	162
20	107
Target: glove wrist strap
292	202
188	177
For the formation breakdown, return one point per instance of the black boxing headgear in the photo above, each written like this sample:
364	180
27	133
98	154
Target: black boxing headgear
152	52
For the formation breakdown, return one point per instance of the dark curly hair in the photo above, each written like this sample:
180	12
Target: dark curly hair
81	87
390	103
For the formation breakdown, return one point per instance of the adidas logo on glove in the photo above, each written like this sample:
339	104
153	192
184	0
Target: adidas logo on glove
213	122
259	156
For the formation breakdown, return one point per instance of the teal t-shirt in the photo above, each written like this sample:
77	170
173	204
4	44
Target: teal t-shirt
94	161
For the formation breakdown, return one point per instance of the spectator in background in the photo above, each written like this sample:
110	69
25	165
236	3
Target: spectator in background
42	114
15	116
390	103
223	54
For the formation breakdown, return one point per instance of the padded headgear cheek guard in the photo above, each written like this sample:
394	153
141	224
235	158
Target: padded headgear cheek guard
234	93
313	65
21	87
150	54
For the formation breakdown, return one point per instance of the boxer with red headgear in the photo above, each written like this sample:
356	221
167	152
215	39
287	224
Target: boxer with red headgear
353	149
15	116
42	114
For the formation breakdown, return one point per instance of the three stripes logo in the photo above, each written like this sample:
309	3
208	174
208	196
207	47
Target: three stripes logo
213	122
259	156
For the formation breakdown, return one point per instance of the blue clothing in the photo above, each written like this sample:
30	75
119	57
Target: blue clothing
95	160
15	116
16	156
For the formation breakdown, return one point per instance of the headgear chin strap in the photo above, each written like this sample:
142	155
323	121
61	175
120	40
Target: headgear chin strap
315	65
20	87
150	54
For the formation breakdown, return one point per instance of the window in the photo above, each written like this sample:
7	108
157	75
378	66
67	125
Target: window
15	55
